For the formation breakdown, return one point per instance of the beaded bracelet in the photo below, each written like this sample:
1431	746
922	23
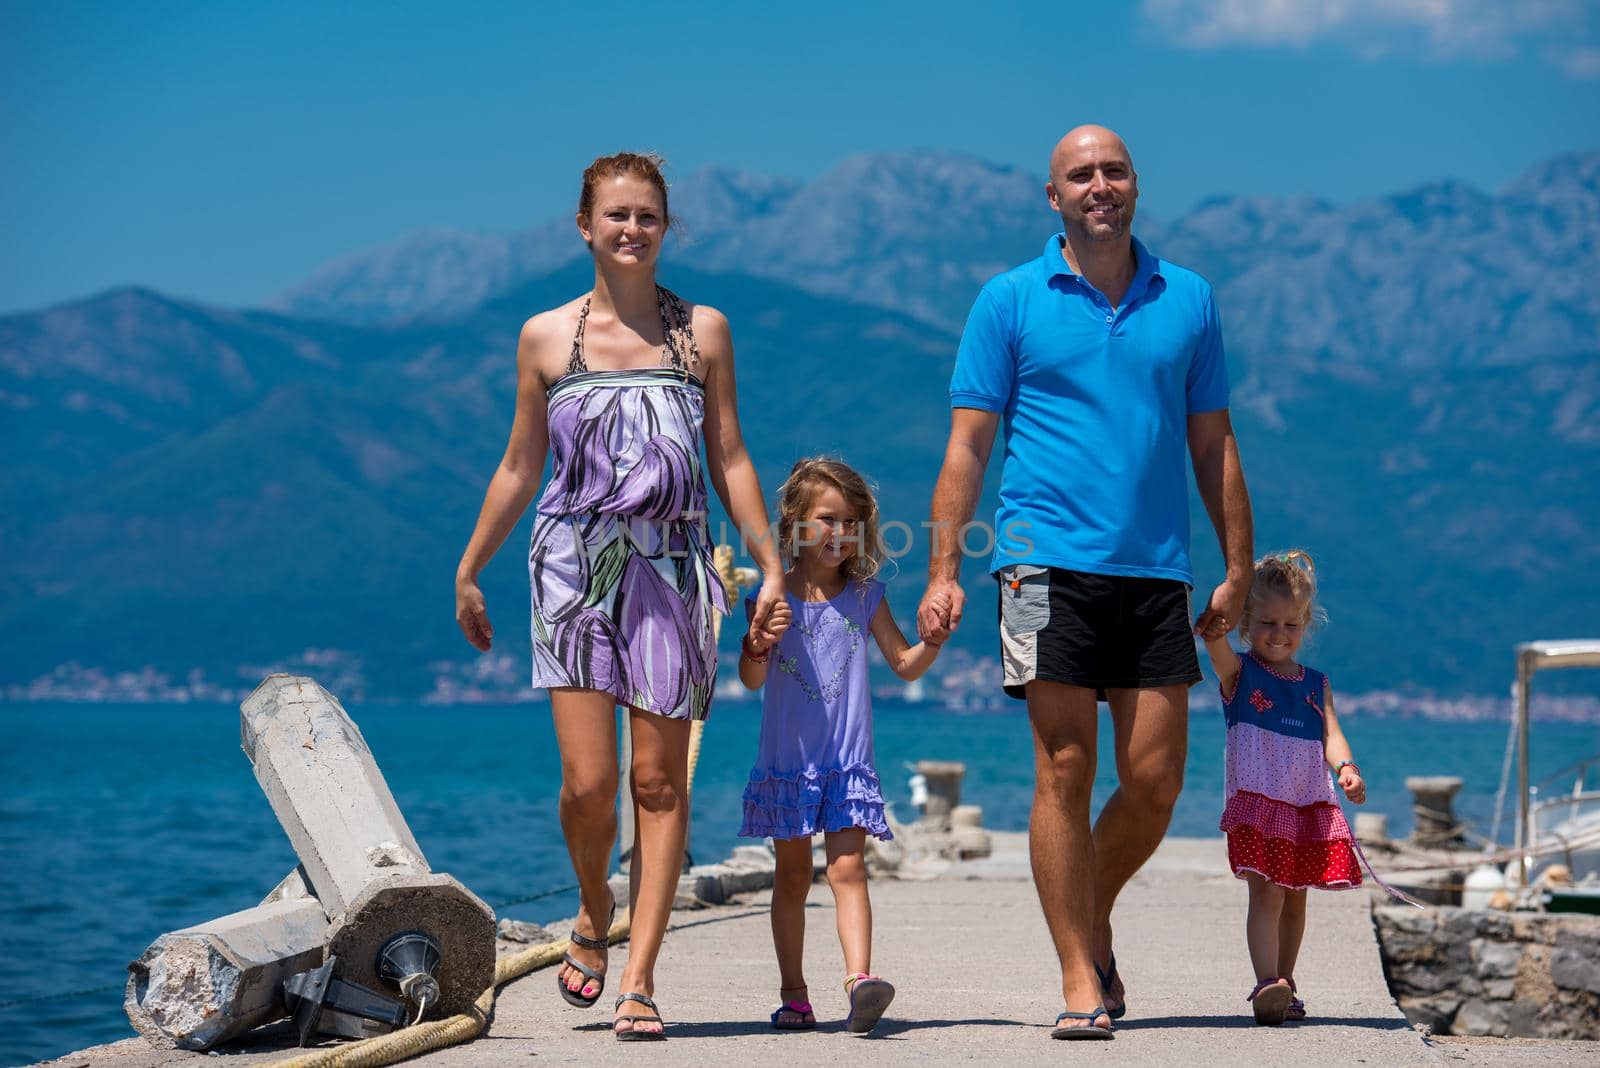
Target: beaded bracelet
1337	768
751	655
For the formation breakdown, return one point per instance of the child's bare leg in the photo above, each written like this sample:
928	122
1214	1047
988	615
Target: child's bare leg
1261	926
1291	928
847	876
790	885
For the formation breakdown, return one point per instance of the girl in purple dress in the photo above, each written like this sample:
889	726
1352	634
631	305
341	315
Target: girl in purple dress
814	772
621	387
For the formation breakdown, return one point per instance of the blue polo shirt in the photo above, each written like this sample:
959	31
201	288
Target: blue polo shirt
1096	403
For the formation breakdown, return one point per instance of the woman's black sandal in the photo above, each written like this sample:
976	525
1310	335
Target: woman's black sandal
575	997
633	1034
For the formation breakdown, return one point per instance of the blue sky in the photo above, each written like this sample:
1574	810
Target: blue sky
223	150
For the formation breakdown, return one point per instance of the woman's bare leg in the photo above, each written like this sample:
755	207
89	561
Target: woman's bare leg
661	816
586	733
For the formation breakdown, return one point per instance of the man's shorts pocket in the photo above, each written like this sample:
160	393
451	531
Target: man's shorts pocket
1025	598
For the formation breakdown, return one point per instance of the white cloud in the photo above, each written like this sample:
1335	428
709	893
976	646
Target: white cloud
1481	29
1582	62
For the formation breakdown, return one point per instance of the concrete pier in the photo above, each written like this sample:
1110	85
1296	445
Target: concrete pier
966	946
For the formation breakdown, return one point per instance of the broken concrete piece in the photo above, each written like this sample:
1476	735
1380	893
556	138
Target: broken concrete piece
325	789
294	885
355	848
206	984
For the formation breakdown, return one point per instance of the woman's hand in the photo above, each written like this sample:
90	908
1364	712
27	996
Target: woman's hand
772	614
471	615
762	638
1354	787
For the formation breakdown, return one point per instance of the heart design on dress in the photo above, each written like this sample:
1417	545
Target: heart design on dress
830	643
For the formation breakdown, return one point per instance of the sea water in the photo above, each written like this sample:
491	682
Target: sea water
121	822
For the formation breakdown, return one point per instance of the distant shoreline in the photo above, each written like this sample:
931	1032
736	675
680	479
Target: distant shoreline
74	684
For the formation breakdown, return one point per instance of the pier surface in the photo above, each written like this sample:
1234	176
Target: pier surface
977	981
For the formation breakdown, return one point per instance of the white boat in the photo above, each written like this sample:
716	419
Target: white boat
1558	819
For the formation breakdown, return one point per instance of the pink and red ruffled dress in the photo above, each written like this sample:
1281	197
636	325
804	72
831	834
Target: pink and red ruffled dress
1282	817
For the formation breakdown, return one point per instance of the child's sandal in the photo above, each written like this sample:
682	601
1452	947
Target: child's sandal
869	997
1297	1008
1270	1001
803	1018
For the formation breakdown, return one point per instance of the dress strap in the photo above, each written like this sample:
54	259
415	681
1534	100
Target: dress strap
682	354
576	364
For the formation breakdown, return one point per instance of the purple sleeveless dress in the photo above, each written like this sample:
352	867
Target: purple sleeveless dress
624	584
813	770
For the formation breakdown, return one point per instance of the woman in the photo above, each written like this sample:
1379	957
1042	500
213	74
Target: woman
622	383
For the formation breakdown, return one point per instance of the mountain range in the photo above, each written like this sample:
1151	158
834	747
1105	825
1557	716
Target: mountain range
1416	391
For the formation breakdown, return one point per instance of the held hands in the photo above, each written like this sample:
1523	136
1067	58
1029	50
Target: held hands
939	614
1354	787
471	615
772	616
1223	611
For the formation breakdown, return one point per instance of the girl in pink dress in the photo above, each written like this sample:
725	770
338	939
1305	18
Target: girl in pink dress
1285	829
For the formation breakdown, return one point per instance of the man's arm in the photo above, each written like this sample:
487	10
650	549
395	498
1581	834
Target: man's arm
1220	478
955	498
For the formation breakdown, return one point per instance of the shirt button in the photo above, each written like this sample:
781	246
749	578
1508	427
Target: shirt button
1110	318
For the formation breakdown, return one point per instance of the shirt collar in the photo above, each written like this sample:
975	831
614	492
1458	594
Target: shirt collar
1147	264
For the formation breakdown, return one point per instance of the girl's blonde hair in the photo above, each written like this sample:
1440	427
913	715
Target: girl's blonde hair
799	490
1288	574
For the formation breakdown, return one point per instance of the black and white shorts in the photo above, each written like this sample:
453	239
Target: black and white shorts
1100	631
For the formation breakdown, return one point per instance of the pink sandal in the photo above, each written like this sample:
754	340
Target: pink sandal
869	997
807	1017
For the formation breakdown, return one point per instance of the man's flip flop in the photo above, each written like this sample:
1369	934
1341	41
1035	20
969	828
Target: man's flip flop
1081	1031
632	1035
1270	1001
575	997
1107	979
869	997
802	1009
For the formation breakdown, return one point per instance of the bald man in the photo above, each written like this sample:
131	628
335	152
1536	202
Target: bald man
1107	365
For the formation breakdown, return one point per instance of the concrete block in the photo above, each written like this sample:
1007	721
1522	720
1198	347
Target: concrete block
944	790
203	985
356	851
459	922
294	886
326	790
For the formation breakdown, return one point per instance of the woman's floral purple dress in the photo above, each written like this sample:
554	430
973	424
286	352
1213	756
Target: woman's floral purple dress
624	585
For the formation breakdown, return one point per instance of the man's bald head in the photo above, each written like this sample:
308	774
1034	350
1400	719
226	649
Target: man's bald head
1093	186
1090	140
